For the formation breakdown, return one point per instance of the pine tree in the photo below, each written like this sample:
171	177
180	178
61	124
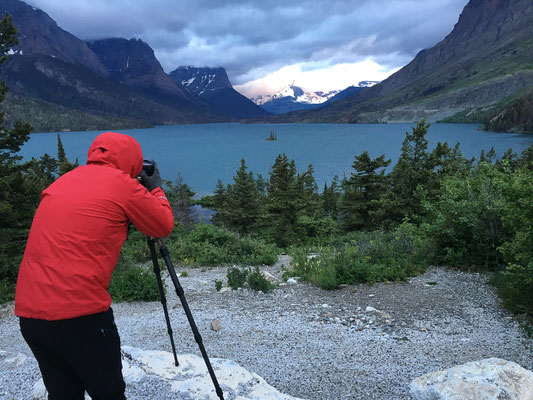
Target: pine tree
182	196
330	199
413	169
219	200
309	193
63	163
17	196
284	202
242	205
362	191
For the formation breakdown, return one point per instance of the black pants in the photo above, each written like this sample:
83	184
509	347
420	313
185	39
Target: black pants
77	355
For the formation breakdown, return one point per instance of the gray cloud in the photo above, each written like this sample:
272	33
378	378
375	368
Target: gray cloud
251	38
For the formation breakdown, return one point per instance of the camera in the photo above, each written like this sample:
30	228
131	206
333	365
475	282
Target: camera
148	167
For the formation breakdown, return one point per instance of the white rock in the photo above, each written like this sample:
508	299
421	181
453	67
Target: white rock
132	373
325	305
191	379
371	309
292	281
215	325
313	255
488	379
225	289
268	276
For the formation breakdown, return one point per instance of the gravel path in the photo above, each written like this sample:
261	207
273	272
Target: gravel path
357	342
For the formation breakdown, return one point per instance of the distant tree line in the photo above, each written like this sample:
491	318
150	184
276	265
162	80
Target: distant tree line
515	117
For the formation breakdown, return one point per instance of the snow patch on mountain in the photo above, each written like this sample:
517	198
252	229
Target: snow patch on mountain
302	97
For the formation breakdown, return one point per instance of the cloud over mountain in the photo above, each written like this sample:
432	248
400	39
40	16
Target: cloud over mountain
252	39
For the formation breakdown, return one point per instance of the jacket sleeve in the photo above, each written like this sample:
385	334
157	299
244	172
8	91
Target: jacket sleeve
150	212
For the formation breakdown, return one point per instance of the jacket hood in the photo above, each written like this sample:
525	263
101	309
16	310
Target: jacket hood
119	150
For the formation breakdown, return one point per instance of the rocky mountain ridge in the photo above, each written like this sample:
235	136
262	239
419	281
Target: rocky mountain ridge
487	59
59	82
213	85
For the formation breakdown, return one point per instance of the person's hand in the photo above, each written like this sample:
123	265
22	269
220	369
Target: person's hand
153	181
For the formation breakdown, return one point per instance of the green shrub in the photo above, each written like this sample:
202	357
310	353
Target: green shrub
237	277
257	281
218	285
362	257
466	223
211	245
133	283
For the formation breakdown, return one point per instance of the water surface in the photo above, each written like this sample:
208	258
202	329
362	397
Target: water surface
204	153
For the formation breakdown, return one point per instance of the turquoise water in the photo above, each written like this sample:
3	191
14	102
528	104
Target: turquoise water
204	153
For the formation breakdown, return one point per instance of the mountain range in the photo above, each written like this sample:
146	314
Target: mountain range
58	81
294	98
485	63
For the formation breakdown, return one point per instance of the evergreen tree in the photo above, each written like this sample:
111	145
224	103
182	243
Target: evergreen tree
64	165
182	196
219	200
285	203
242	205
309	193
413	169
330	199
262	185
17	197
362	191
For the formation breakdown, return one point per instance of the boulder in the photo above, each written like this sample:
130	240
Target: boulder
488	379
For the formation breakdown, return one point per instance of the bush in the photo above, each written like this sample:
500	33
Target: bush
466	223
211	245
237	277
257	281
133	283
362	257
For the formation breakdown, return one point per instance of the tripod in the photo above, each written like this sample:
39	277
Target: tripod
179	291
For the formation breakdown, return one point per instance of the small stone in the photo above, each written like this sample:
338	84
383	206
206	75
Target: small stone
371	295
215	325
292	281
325	305
225	289
371	309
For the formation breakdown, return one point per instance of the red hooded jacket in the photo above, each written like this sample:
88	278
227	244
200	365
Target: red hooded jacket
79	228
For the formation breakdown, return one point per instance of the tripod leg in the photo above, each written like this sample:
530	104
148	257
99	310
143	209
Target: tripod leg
179	290
157	271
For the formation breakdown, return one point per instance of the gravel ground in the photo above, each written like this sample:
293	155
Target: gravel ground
357	342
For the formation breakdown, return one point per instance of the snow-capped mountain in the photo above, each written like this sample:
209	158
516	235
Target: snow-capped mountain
293	98
213	85
297	94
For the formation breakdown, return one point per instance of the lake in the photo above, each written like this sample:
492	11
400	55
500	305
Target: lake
205	153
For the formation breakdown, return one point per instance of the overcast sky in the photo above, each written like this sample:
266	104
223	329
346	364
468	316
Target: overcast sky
266	44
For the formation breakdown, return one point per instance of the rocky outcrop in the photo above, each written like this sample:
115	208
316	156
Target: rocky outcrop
201	80
133	63
213	85
488	379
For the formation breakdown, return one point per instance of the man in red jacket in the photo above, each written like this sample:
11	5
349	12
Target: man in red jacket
72	249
